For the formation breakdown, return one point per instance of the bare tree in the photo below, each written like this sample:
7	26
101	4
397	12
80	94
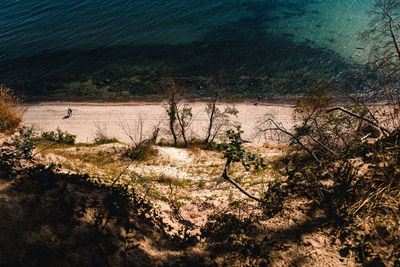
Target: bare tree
210	109
184	116
179	116
218	120
172	108
384	31
325	131
383	38
137	133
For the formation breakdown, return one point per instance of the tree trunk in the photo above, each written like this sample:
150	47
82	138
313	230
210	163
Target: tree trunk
172	117
210	125
183	130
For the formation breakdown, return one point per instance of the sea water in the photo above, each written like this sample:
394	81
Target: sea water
127	47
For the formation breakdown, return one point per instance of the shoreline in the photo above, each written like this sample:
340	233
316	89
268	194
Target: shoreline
147	100
157	102
286	102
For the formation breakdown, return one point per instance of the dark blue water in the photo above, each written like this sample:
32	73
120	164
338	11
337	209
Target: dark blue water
125	48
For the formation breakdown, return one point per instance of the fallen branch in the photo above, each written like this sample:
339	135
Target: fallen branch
47	147
226	177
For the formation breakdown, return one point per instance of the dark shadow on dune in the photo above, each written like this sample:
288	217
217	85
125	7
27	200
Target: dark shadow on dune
51	219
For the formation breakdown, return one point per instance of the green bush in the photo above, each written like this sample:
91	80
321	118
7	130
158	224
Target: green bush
14	155
105	140
62	137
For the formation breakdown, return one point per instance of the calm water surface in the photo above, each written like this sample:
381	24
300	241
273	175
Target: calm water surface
126	47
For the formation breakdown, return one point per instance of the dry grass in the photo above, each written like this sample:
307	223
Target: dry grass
10	110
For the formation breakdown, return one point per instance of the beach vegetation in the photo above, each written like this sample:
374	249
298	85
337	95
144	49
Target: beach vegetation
172	109
11	110
233	150
180	116
353	148
107	140
59	136
218	120
185	119
141	152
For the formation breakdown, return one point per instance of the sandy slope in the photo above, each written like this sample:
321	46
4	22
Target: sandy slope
121	119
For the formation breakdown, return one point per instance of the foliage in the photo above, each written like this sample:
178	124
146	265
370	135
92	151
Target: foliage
272	200
102	136
384	57
10	110
14	155
180	117
234	151
383	32
325	132
106	140
218	120
62	137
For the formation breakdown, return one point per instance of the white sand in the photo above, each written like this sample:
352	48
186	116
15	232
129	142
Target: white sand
120	120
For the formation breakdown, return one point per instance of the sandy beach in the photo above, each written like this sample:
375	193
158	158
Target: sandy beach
122	120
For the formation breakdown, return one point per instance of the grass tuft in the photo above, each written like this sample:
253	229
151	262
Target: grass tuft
10	110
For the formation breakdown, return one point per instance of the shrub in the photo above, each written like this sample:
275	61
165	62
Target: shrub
10	110
234	151
60	136
14	155
272	201
106	140
102	137
140	152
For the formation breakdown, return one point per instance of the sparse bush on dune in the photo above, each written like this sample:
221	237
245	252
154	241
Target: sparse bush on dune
16	154
60	136
141	152
348	146
102	136
11	110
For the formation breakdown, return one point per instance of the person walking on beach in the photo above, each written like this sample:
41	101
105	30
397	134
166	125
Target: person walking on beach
69	113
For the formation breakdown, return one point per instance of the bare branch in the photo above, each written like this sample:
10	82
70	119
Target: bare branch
226	177
383	130
295	138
